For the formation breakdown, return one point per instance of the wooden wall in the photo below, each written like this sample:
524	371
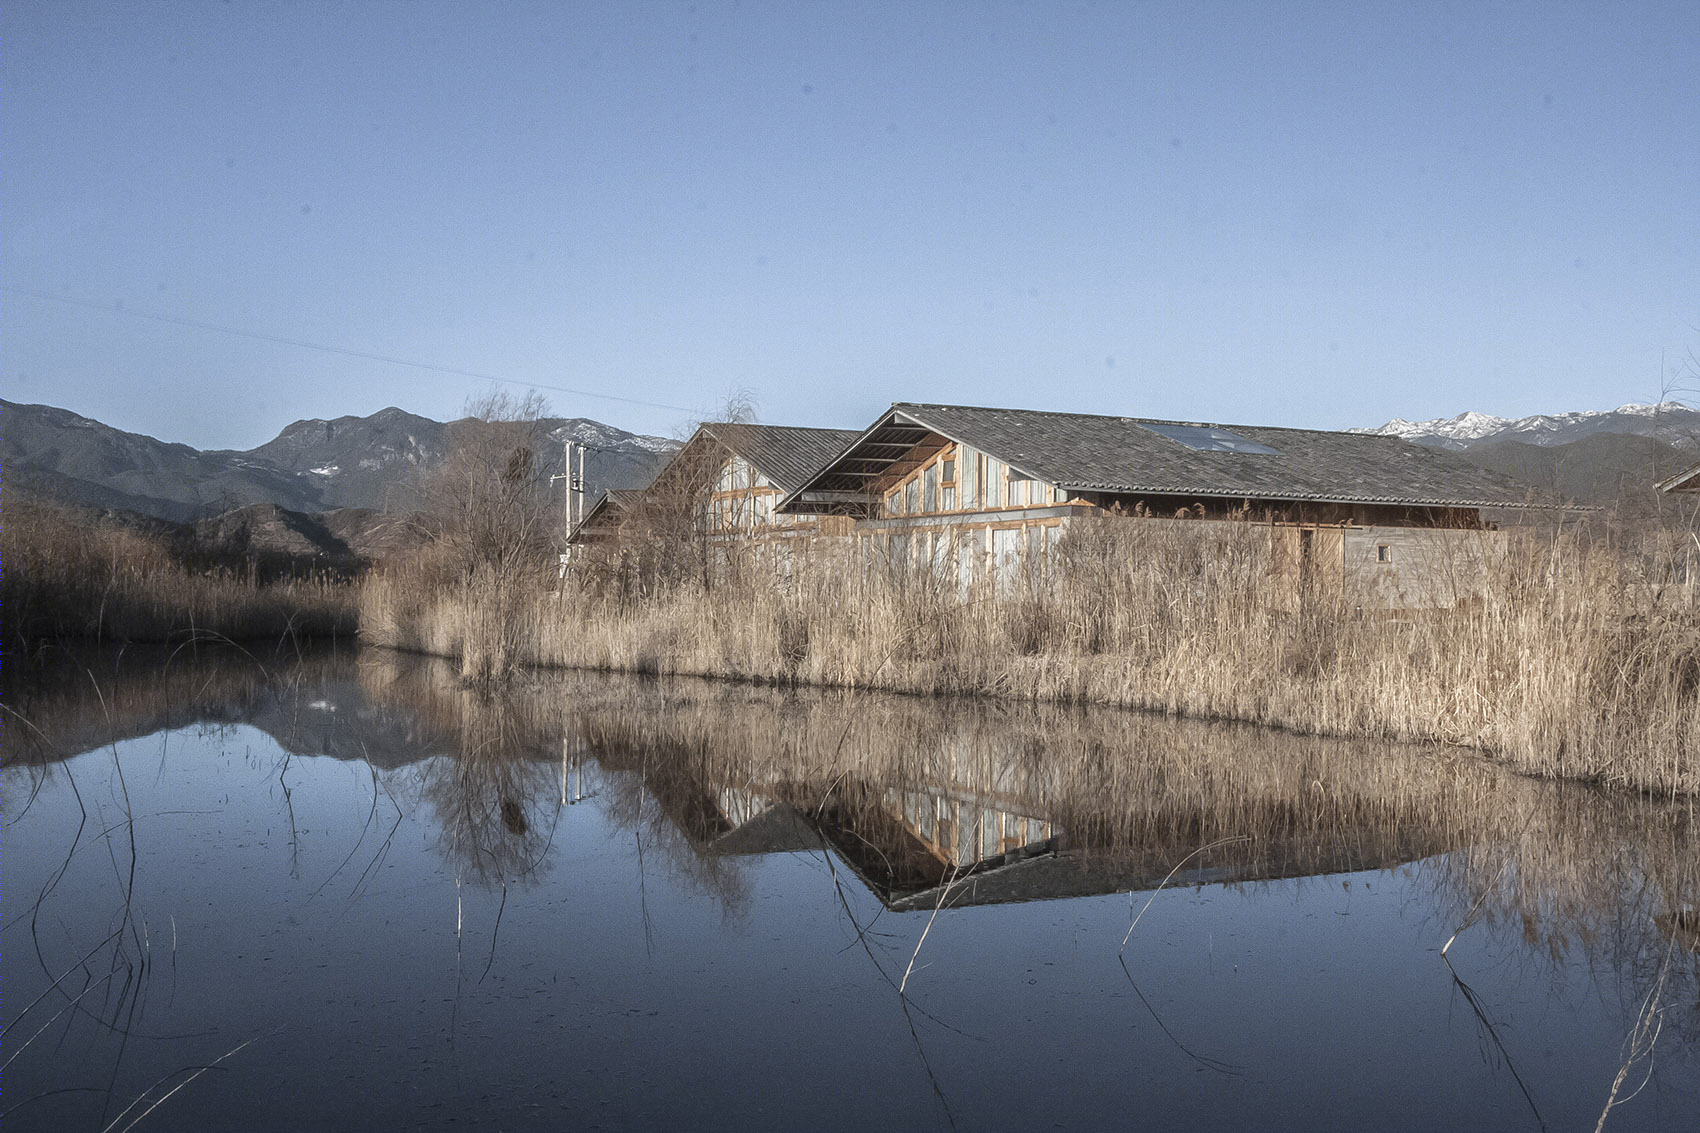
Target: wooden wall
1412	568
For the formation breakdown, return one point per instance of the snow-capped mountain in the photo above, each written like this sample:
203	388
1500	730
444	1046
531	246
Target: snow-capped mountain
1670	421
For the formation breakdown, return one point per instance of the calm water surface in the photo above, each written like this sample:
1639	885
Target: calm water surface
343	892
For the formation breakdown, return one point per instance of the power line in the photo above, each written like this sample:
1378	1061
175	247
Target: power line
351	353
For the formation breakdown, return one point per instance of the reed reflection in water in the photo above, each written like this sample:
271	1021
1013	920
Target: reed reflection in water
455	819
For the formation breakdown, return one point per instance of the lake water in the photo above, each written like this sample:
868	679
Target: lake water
362	896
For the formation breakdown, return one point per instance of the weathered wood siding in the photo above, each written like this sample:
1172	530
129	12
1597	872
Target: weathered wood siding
943	478
1307	560
742	503
1409	568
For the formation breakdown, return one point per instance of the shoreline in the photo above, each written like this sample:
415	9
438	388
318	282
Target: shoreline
1322	704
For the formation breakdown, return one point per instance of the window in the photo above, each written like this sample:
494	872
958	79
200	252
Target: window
1383	553
912	497
949	473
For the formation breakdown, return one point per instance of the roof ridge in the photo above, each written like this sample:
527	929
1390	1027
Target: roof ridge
764	425
923	405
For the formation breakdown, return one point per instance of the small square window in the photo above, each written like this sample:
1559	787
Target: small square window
1383	553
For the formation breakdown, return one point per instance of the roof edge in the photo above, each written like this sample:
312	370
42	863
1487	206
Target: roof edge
1688	481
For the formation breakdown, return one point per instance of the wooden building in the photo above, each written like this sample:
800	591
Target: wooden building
966	489
724	483
605	522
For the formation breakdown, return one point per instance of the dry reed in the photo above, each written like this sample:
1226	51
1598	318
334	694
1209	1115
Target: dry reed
1572	657
65	576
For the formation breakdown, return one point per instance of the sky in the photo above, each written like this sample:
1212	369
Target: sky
218	218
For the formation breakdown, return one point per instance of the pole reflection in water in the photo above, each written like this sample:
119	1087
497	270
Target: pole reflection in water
776	908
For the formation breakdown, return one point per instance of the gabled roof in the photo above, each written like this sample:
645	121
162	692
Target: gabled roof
786	454
607	510
620	499
1128	455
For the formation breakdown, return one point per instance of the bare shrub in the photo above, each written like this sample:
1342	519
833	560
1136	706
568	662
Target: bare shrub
492	527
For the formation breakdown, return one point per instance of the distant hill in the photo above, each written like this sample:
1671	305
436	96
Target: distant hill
379	461
314	466
1606	469
341	540
266	537
63	456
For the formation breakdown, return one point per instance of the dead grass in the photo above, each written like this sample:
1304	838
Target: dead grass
1575	658
65	576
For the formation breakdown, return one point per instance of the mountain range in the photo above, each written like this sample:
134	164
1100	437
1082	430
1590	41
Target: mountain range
1669	421
1610	458
378	462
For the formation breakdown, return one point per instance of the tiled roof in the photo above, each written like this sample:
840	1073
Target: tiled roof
787	455
605	511
1092	453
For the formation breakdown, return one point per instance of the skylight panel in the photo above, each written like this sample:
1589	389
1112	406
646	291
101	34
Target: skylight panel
1206	438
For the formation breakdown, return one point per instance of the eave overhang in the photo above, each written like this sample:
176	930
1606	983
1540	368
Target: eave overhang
1296	497
869	458
1683	481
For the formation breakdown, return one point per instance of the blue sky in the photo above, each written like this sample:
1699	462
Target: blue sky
1314	215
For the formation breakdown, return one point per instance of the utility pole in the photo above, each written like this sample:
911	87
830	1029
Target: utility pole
567	475
573	501
569	497
578	483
